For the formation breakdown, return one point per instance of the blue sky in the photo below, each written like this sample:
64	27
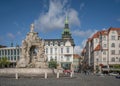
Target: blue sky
85	18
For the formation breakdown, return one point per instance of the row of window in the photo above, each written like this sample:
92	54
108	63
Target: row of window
12	58
55	43
67	58
61	50
113	59
112	45
113	37
113	52
9	52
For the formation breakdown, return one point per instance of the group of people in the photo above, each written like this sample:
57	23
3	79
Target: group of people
86	72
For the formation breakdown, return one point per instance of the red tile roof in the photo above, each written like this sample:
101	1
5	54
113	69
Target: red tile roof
96	35
97	48
104	32
76	56
89	39
83	51
114	29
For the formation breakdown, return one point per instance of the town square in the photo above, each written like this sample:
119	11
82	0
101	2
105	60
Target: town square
60	42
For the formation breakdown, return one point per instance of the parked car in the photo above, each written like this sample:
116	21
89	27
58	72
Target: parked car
67	71
118	76
113	74
99	74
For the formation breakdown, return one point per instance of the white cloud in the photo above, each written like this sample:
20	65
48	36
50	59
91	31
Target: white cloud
83	43
77	50
86	34
10	35
81	33
19	33
82	6
55	16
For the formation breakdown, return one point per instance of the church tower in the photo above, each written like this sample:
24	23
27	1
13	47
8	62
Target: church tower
66	32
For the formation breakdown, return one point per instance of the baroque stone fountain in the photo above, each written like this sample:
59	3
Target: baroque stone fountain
32	54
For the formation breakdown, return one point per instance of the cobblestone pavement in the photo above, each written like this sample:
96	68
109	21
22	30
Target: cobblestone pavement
77	80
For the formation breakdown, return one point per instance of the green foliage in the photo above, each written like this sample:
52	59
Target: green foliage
116	66
53	64
97	69
4	62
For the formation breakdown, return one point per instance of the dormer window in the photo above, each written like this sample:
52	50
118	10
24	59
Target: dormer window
51	43
61	43
56	43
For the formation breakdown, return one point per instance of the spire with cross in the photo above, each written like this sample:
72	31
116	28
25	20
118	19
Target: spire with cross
66	32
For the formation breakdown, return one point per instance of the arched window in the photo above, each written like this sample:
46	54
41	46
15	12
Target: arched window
113	45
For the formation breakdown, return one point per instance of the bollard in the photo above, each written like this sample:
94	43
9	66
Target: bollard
58	74
71	75
16	75
45	75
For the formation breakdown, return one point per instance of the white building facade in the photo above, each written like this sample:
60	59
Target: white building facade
102	50
11	53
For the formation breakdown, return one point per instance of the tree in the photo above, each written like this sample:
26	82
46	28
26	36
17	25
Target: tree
4	62
116	66
52	64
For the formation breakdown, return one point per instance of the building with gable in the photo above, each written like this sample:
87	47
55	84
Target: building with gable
102	50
